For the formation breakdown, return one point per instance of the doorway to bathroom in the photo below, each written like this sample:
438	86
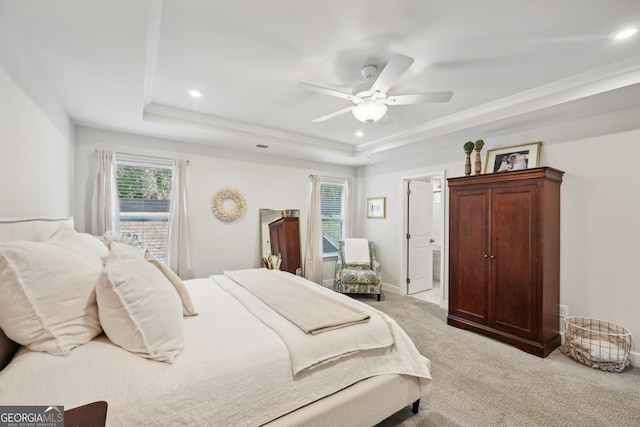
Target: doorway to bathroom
423	227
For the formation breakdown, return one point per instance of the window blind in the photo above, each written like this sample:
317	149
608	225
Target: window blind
331	215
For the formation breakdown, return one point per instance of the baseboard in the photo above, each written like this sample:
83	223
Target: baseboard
392	289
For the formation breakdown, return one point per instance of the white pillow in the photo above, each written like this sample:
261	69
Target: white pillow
47	292
138	307
187	305
356	252
124	251
96	245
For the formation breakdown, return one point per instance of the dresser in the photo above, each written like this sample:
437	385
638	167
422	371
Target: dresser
504	256
284	234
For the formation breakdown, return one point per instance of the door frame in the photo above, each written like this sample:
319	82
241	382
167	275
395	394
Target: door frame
441	174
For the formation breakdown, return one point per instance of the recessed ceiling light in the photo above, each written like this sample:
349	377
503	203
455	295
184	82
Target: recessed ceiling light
195	93
625	34
359	133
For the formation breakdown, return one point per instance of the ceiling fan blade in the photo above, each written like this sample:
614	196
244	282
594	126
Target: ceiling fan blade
331	92
418	98
334	114
395	68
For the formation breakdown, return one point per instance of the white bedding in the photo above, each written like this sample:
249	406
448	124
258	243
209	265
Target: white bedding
307	350
234	370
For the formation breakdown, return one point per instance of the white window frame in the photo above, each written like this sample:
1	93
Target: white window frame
149	162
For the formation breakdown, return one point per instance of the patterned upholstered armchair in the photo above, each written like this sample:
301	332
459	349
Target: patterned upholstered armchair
359	277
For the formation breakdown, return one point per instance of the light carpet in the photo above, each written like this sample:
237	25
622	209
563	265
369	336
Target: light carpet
479	381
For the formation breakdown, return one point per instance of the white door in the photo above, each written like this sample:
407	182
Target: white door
420	236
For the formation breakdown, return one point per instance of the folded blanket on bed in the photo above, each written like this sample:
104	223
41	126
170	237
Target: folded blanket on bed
309	308
308	351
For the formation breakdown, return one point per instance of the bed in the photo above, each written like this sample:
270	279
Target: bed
236	365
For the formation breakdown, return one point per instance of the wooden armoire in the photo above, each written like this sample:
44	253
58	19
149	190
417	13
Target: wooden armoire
284	234
504	256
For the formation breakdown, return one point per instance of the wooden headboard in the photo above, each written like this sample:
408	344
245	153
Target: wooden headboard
33	229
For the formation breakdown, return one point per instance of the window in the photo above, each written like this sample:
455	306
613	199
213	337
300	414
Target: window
144	191
331	215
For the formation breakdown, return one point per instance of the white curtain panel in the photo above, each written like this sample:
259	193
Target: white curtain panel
348	210
178	234
313	251
104	204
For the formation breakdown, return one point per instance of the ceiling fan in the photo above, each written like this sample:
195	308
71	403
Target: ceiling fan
370	99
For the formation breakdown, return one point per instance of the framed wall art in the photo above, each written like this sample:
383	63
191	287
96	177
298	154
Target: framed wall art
376	207
513	158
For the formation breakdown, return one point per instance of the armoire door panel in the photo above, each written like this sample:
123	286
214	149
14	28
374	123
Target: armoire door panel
469	299
513	259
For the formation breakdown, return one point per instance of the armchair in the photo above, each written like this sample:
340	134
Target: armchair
358	273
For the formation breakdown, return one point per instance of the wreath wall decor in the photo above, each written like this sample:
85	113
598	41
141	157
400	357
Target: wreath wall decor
228	214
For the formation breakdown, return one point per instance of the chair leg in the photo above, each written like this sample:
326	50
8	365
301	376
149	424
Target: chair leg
378	297
415	406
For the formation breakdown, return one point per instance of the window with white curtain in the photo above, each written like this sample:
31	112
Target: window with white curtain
144	194
332	206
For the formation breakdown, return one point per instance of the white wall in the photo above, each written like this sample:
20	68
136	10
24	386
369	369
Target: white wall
36	152
264	181
599	234
600	204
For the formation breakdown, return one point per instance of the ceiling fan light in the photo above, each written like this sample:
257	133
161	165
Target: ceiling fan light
369	111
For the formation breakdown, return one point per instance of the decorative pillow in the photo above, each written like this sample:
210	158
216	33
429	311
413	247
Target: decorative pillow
82	244
187	306
124	251
47	292
138	307
95	244
356	252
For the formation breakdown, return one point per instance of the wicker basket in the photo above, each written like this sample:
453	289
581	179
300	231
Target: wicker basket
597	344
